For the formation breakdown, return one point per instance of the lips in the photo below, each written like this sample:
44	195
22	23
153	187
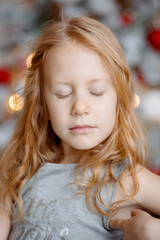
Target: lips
81	129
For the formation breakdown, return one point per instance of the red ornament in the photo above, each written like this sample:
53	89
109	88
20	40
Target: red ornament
126	18
4	76
140	76
154	38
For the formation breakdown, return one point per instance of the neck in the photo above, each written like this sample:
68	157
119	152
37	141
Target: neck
70	155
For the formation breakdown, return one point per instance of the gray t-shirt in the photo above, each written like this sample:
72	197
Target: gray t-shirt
51	212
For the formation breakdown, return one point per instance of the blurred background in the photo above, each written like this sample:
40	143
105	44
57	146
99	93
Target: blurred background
136	24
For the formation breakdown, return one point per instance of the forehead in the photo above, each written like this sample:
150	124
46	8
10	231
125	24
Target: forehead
73	61
71	52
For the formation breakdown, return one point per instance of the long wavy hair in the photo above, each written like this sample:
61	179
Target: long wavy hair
34	141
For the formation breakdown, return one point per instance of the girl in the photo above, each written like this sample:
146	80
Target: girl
76	158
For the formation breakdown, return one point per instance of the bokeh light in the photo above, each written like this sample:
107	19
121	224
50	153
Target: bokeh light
16	102
136	101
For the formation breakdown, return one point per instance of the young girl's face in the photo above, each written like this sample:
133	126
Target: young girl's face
80	96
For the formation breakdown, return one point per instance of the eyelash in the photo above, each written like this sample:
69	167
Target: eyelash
63	96
98	94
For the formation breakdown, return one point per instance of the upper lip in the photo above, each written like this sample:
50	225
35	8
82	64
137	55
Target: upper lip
81	126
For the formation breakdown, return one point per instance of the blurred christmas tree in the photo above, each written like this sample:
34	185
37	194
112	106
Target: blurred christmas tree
136	23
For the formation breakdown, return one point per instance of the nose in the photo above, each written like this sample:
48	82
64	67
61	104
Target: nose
80	107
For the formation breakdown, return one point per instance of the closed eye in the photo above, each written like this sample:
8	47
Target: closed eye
97	93
63	95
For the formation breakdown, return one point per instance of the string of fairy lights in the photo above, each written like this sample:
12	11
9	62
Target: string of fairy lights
16	101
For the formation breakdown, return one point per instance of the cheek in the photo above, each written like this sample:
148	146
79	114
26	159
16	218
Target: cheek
57	123
107	112
54	109
58	117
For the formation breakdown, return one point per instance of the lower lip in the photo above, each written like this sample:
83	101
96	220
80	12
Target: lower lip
82	130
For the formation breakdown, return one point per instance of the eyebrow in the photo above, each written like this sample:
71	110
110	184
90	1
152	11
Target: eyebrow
97	80
89	81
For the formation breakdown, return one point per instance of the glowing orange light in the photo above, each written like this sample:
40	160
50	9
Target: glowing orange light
136	101
16	102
